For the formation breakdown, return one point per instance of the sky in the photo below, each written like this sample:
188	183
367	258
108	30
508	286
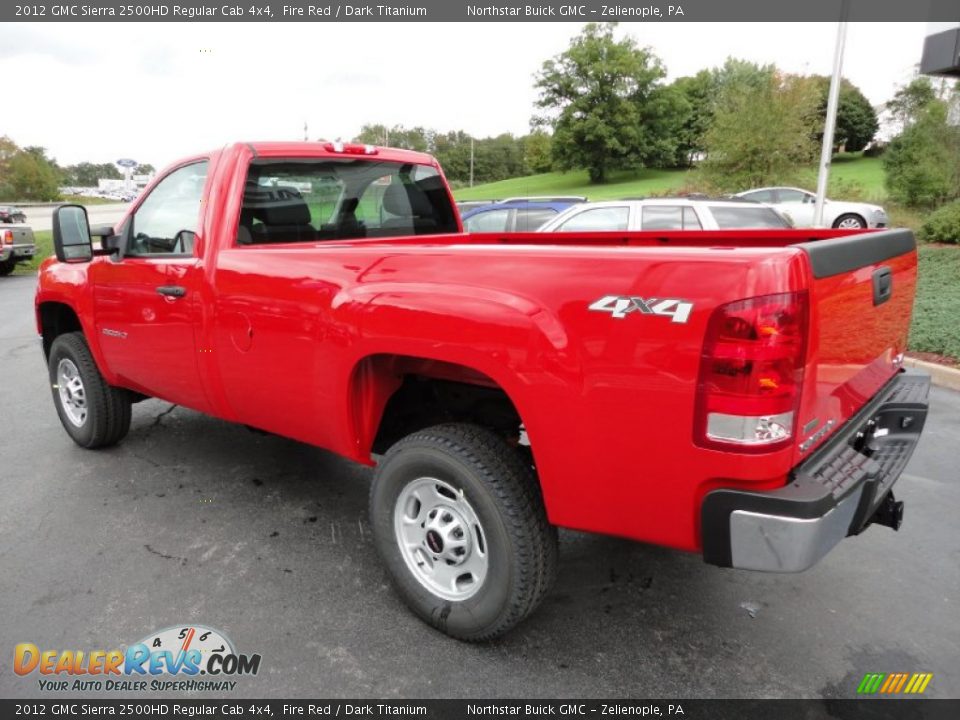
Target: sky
155	92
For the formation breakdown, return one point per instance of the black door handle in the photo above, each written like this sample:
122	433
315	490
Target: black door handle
174	291
882	285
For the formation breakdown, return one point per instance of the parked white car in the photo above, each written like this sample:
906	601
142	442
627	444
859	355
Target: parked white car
799	204
665	214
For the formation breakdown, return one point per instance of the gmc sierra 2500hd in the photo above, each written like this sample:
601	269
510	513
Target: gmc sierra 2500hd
734	393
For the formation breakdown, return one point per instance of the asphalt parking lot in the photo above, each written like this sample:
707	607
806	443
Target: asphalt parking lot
193	520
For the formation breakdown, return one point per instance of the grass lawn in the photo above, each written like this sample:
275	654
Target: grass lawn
575	182
848	168
863	171
44	239
935	326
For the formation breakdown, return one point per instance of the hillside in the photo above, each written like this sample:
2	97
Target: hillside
865	173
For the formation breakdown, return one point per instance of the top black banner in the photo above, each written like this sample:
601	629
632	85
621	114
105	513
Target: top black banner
487	11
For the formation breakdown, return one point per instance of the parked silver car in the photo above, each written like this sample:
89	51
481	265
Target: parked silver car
799	205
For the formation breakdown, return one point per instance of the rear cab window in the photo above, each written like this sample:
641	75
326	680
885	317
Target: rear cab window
313	200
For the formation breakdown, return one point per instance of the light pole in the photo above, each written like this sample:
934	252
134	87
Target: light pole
826	152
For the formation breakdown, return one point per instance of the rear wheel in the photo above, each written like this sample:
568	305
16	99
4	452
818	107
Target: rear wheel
458	519
93	413
850	222
7	266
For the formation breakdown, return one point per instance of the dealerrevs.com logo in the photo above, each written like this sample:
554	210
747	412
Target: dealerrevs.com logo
180	658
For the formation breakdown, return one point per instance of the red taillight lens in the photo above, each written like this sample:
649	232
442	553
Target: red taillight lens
8	237
350	148
751	373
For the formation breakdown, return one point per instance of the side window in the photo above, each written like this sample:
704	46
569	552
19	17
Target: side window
530	219
603	218
166	221
492	221
793	196
764	196
662	217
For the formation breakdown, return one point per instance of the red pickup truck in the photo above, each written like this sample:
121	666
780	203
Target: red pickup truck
737	394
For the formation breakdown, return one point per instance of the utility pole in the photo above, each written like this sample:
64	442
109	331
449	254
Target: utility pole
826	151
471	161
305	137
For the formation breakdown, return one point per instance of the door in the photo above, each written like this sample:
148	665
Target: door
799	205
146	300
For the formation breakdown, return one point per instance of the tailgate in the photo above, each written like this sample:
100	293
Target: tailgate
22	234
861	299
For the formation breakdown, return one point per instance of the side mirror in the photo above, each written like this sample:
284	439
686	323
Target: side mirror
71	234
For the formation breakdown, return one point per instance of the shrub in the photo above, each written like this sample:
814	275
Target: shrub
943	225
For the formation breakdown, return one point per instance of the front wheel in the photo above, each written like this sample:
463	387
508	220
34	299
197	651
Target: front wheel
459	521
850	222
93	413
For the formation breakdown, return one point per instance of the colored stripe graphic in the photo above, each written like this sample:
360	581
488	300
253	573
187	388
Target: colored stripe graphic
894	683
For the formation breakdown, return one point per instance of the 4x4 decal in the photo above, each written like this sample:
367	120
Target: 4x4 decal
619	306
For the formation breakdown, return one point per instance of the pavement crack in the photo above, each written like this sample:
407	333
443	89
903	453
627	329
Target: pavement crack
158	418
183	561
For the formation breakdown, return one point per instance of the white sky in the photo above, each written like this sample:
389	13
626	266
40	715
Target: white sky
156	91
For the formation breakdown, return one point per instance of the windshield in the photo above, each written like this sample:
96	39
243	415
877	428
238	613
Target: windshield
302	200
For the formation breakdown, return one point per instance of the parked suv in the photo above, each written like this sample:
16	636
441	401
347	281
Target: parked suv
513	215
666	214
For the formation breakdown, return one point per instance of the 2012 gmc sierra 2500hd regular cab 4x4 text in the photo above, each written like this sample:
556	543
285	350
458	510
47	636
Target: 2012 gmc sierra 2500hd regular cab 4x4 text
734	393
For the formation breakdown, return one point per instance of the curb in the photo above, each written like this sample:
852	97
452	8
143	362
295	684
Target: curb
942	376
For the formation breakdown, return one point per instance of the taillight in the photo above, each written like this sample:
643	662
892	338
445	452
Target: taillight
751	373
8	237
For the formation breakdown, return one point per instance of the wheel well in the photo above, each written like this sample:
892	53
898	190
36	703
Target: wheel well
55	320
417	393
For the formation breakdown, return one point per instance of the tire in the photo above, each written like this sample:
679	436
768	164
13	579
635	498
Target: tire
7	266
467	477
850	221
93	413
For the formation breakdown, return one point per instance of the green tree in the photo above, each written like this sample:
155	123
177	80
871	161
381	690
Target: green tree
922	164
87	174
701	92
144	169
910	101
398	136
857	121
698	91
537	148
601	98
8	149
762	134
33	176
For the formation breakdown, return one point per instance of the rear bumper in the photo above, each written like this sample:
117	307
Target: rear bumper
838	491
24	252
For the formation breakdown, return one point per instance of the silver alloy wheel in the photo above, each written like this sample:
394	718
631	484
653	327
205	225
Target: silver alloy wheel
850	223
73	397
440	538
